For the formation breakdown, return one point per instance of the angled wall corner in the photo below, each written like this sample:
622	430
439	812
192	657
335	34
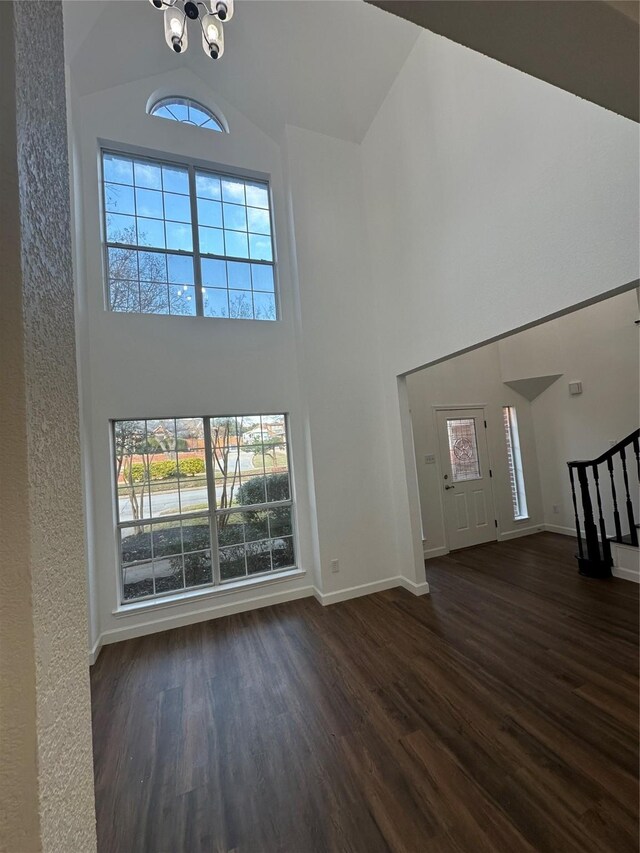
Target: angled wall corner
533	386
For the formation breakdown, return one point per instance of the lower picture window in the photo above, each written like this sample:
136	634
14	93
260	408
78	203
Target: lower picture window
201	501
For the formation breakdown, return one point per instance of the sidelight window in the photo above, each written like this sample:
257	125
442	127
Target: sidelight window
514	461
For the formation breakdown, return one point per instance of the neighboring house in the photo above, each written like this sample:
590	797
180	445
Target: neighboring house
270	432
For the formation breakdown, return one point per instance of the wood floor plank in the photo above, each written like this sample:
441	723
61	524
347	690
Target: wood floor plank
500	713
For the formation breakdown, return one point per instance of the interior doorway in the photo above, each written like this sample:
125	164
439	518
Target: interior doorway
565	389
467	497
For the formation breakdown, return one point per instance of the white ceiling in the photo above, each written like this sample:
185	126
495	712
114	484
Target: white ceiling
324	65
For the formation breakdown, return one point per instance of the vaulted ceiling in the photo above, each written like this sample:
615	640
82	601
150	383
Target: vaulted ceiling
587	47
323	65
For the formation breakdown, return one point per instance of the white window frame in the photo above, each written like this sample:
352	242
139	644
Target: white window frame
192	165
212	513
514	463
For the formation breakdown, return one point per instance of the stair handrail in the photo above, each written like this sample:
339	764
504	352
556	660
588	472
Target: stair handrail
594	554
608	454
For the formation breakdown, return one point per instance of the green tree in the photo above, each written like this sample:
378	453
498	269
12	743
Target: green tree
129	437
271	447
225	435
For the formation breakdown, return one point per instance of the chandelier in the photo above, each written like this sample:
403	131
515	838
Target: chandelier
210	15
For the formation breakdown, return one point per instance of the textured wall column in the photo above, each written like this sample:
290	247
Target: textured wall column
46	787
19	827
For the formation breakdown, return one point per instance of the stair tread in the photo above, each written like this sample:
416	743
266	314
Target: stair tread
626	540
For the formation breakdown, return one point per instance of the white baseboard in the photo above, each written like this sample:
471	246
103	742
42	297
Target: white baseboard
520	531
430	553
166	623
413	587
556	528
95	651
326	598
625	574
626	562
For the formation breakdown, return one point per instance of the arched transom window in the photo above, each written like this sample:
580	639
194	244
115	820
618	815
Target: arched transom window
187	111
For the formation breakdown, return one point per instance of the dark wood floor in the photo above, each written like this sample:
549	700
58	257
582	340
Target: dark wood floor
498	714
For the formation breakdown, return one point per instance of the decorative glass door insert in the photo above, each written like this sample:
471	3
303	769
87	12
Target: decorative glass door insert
463	449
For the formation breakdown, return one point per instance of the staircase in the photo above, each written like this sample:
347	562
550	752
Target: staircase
607	479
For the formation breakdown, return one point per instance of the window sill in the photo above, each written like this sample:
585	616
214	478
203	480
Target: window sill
521	518
210	592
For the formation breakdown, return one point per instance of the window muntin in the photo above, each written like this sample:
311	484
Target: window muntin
181	240
185	484
514	462
463	449
187	111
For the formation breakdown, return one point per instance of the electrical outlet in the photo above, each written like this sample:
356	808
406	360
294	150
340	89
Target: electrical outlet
335	566
556	509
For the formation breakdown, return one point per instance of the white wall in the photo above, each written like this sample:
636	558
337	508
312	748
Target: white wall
599	346
319	363
339	358
492	200
470	380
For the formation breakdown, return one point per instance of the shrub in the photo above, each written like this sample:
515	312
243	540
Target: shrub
279	517
137	472
252	491
162	469
192	466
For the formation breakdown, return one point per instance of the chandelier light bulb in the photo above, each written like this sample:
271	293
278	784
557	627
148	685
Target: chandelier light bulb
212	36
175	29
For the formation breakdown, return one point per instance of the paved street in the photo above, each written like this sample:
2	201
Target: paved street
167	503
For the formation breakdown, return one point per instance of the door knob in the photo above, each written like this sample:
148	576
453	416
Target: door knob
449	487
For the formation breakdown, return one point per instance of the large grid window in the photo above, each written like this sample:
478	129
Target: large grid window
514	461
201	501
184	240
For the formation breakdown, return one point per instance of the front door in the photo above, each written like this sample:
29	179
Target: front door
467	498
